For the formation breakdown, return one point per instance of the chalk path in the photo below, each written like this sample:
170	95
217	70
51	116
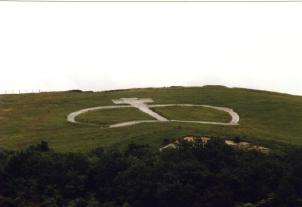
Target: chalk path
234	116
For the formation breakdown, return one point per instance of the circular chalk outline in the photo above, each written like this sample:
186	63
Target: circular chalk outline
234	115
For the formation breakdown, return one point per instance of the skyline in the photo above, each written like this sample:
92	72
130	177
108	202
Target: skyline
51	47
7	92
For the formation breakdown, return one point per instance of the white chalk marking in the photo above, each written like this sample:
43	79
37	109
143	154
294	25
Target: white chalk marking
142	106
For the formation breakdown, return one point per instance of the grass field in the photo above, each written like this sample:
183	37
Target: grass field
113	116
195	113
266	117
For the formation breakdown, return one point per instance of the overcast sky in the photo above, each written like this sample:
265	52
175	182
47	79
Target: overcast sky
100	46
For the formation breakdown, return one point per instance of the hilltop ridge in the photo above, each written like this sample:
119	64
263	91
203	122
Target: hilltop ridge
266	117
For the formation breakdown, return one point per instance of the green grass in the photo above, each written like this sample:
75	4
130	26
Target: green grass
195	113
266	118
112	116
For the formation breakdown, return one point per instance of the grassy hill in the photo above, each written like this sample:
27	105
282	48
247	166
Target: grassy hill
268	118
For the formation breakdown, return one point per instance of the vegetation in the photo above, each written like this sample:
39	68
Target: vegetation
195	113
268	119
90	166
113	116
191	175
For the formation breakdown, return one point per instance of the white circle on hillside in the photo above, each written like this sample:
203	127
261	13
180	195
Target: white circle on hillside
141	104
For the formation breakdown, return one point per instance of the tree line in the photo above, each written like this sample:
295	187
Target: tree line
192	175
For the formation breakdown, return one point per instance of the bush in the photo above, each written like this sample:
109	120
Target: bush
190	175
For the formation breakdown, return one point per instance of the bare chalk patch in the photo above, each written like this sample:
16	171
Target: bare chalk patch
239	145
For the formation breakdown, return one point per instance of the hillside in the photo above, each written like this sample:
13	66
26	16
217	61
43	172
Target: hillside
271	119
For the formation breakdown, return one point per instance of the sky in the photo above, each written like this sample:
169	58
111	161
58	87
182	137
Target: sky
102	46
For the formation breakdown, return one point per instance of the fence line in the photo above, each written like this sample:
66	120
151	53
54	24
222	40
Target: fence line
22	91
